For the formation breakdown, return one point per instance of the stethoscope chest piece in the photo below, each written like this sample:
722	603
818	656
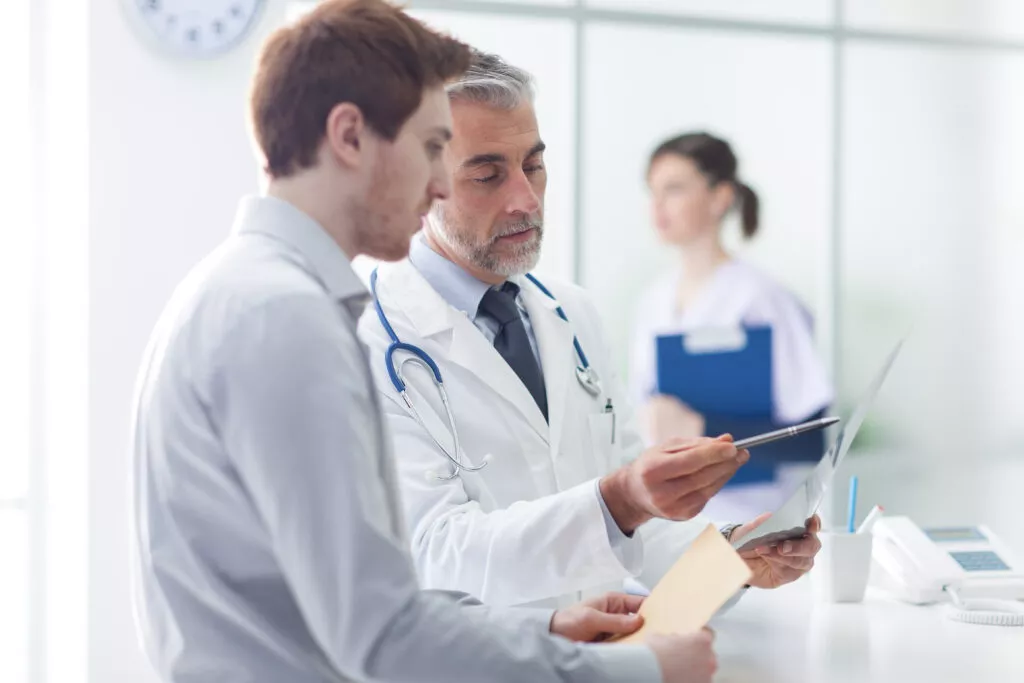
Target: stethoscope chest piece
589	380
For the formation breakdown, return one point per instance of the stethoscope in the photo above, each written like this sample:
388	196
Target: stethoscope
585	375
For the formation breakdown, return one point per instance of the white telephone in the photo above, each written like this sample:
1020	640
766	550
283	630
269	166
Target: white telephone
928	565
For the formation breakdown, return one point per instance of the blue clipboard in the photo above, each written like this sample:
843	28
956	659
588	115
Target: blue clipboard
729	375
732	388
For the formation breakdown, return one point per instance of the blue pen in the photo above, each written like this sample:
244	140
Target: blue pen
851	515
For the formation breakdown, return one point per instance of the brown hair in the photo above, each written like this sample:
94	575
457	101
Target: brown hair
367	52
716	161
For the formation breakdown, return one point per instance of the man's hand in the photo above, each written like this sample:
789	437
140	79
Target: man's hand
673	481
685	659
772	567
597	619
666	417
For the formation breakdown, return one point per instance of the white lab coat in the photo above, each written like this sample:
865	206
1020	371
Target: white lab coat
739	294
528	528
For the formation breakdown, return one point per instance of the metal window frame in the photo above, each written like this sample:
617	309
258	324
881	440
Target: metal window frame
583	13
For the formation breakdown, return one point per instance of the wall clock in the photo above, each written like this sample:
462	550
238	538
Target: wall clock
194	28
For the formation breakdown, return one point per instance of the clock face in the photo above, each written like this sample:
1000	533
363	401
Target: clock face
198	28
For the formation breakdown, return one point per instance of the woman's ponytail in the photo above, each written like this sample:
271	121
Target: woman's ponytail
749	209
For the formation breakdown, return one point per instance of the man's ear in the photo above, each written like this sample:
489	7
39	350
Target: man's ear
346	134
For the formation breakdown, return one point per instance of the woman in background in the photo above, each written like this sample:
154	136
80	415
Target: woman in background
694	186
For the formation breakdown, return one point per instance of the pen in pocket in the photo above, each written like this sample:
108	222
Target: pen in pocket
608	408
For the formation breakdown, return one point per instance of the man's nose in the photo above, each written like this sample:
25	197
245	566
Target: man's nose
522	197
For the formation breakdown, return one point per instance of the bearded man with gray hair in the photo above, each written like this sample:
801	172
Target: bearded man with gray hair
511	244
523	476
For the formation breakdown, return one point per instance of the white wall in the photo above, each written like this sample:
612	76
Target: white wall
768	95
169	158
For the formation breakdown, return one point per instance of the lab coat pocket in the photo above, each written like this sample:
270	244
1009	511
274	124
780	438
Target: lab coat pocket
602	440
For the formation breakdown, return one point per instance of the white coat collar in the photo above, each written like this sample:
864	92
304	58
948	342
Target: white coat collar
402	288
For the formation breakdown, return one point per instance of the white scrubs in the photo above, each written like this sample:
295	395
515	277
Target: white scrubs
739	294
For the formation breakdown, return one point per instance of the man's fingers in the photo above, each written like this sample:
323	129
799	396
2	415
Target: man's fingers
690	504
703	478
615	624
750	526
621	603
688	495
801	547
679	484
631	603
716	486
787	574
699	469
677	444
802	563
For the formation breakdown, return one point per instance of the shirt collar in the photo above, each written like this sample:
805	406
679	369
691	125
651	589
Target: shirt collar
283	221
462	291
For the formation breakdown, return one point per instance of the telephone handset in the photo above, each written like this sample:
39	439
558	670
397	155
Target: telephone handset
968	565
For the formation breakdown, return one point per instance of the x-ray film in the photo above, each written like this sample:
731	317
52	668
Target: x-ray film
790	520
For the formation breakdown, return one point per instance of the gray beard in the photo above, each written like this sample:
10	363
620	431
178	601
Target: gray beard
521	261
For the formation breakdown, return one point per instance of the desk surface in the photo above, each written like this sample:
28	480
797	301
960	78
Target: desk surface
786	635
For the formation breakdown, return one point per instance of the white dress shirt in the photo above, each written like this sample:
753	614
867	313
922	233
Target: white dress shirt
268	543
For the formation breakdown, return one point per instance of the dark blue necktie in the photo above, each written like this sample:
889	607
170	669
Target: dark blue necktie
512	342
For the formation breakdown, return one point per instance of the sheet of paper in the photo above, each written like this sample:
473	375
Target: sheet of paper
698	584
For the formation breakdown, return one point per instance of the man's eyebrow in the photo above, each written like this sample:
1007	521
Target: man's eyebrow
483	160
496	158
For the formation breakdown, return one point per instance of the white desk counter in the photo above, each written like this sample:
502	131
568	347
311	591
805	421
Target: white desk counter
786	635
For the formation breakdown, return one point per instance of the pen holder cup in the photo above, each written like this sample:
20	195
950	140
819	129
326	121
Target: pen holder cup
841	569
